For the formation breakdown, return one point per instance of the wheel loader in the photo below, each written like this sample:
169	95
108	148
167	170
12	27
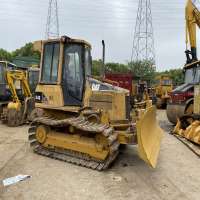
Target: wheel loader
21	104
163	88
83	120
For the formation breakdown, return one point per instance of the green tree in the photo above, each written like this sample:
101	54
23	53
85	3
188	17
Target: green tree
109	67
5	55
96	67
26	51
143	69
117	67
176	75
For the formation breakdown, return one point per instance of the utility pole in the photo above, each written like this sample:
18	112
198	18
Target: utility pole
143	43
52	26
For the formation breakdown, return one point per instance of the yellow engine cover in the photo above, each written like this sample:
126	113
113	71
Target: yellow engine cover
149	136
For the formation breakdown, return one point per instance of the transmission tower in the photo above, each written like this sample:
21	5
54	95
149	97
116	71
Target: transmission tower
52	26
143	43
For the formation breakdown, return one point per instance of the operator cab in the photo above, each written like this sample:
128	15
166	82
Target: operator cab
66	62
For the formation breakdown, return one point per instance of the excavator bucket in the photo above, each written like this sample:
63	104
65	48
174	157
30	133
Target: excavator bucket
149	136
191	132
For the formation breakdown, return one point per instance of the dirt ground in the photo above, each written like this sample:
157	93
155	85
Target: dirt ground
177	175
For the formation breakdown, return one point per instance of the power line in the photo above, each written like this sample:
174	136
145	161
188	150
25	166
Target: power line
52	26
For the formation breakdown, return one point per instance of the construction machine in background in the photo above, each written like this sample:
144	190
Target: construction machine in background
4	91
84	121
163	88
138	89
123	80
188	125
19	107
17	84
5	94
182	97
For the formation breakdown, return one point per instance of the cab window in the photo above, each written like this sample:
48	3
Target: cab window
88	62
73	70
50	63
166	82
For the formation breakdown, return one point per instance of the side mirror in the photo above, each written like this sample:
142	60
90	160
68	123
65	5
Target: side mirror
37	46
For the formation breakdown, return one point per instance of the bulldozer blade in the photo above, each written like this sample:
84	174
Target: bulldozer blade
149	136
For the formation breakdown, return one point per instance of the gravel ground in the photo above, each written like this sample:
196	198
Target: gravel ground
177	175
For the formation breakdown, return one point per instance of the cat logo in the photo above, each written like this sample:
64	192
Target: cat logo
95	87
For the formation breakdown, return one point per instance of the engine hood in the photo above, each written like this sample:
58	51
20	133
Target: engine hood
97	85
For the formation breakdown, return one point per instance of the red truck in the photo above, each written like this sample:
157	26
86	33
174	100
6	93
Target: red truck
124	80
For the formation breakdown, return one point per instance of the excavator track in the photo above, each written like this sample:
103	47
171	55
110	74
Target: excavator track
74	157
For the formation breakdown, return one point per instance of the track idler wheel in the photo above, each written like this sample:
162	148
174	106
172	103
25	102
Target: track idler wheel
41	133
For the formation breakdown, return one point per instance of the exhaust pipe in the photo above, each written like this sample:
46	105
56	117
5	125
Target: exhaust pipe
103	60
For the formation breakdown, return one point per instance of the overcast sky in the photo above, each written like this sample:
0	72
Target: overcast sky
22	21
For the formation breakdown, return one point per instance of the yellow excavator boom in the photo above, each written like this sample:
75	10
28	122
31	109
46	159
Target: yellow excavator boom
17	75
192	17
17	110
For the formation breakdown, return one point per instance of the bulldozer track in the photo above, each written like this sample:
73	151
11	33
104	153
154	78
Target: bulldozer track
74	157
78	122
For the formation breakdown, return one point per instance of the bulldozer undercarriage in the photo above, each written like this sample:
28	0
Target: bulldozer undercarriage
96	147
92	144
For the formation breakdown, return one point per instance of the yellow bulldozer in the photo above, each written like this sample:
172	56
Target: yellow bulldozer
83	120
163	88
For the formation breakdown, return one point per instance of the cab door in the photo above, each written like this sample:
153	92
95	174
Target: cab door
73	75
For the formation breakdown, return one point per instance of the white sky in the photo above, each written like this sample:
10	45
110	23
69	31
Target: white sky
22	21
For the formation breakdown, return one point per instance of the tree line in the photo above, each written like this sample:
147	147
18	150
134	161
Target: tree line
144	70
25	51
